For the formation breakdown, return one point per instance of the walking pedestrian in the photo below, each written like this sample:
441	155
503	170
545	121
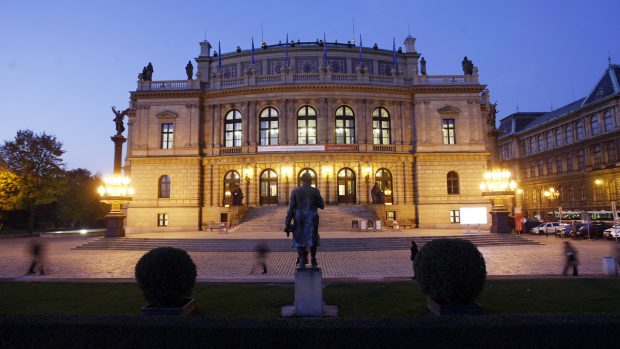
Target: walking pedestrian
414	252
37	252
261	257
571	259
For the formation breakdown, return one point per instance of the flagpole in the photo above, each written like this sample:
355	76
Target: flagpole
252	50
286	60
324	51
360	49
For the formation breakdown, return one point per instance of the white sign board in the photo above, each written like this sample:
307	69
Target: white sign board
473	215
289	148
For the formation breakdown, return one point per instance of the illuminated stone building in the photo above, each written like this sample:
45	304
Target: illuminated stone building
351	116
572	149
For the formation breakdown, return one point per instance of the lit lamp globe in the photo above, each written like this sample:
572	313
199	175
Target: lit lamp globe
497	185
116	191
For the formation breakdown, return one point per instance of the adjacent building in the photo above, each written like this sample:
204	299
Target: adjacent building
572	149
353	117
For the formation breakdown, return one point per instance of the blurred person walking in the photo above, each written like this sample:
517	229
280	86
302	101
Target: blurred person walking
37	253
571	259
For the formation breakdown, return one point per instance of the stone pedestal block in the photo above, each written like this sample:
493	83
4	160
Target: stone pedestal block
309	296
115	227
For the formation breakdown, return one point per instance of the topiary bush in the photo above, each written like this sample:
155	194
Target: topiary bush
450	271
166	276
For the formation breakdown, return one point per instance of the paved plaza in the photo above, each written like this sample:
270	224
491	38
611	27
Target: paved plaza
542	256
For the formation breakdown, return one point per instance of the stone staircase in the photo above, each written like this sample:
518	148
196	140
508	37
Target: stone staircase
283	245
333	218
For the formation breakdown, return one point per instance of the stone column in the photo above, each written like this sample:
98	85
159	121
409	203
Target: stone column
473	129
283	123
251	116
401	111
217	125
368	137
292	121
328	136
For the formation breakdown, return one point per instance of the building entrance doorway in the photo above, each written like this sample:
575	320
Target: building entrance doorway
383	178
269	187
231	181
311	172
346	186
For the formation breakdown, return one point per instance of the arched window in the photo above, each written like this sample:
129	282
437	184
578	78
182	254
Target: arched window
453	183
579	130
549	138
541	143
608	121
381	126
346	186
596	130
306	125
164	187
231	181
533	148
312	174
559	165
383	178
568	134
597	157
610	152
345	125
268	187
232	129
269	126
558	136
581	159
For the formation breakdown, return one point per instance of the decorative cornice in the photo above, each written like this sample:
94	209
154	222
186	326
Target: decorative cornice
167	114
449	110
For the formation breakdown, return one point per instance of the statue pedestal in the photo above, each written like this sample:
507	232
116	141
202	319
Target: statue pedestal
115	225
499	222
309	296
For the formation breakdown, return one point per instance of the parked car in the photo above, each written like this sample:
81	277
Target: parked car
548	228
595	231
529	224
612	233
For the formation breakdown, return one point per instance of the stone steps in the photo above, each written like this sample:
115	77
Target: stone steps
333	218
283	245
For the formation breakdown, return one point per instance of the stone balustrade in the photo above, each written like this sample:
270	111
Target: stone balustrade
218	83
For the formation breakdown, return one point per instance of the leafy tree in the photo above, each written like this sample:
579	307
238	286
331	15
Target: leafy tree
79	204
11	189
36	160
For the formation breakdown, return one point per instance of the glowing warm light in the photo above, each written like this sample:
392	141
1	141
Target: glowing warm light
83	231
116	189
247	172
598	181
327	170
368	170
519	191
287	171
497	181
227	193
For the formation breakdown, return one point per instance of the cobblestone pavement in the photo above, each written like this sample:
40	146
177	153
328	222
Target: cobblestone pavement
65	262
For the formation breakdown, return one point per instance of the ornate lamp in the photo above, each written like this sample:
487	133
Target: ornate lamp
327	170
116	191
496	185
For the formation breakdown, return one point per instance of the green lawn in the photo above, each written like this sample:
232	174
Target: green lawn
355	300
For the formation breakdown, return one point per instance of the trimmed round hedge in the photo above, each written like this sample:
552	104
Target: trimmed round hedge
450	271
166	276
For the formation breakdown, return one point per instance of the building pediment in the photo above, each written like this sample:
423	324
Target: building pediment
167	114
448	109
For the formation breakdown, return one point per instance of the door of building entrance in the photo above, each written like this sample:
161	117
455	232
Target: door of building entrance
269	187
346	186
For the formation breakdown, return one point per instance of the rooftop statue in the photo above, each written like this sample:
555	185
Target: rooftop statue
468	66
189	70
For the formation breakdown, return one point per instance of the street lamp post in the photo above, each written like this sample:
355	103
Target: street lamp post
496	185
287	171
552	194
367	171
247	172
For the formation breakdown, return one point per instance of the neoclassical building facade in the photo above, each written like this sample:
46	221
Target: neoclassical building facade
572	149
353	117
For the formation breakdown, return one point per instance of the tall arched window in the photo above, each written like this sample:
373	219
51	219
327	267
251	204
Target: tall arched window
608	121
596	130
610	152
312	174
558	136
231	181
568	134
381	126
164	187
541	142
232	129
345	125
269	126
453	183
549	138
268	187
579	130
306	125
383	178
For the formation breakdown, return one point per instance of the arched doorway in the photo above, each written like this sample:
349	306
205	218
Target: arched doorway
383	178
311	172
231	180
269	187
346	186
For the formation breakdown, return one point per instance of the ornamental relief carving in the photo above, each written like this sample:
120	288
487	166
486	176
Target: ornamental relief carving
448	110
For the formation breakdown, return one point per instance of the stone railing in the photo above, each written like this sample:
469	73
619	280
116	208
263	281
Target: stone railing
385	147
230	150
166	85
218	83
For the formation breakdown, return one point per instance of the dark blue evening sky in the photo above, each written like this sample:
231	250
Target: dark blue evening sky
64	63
